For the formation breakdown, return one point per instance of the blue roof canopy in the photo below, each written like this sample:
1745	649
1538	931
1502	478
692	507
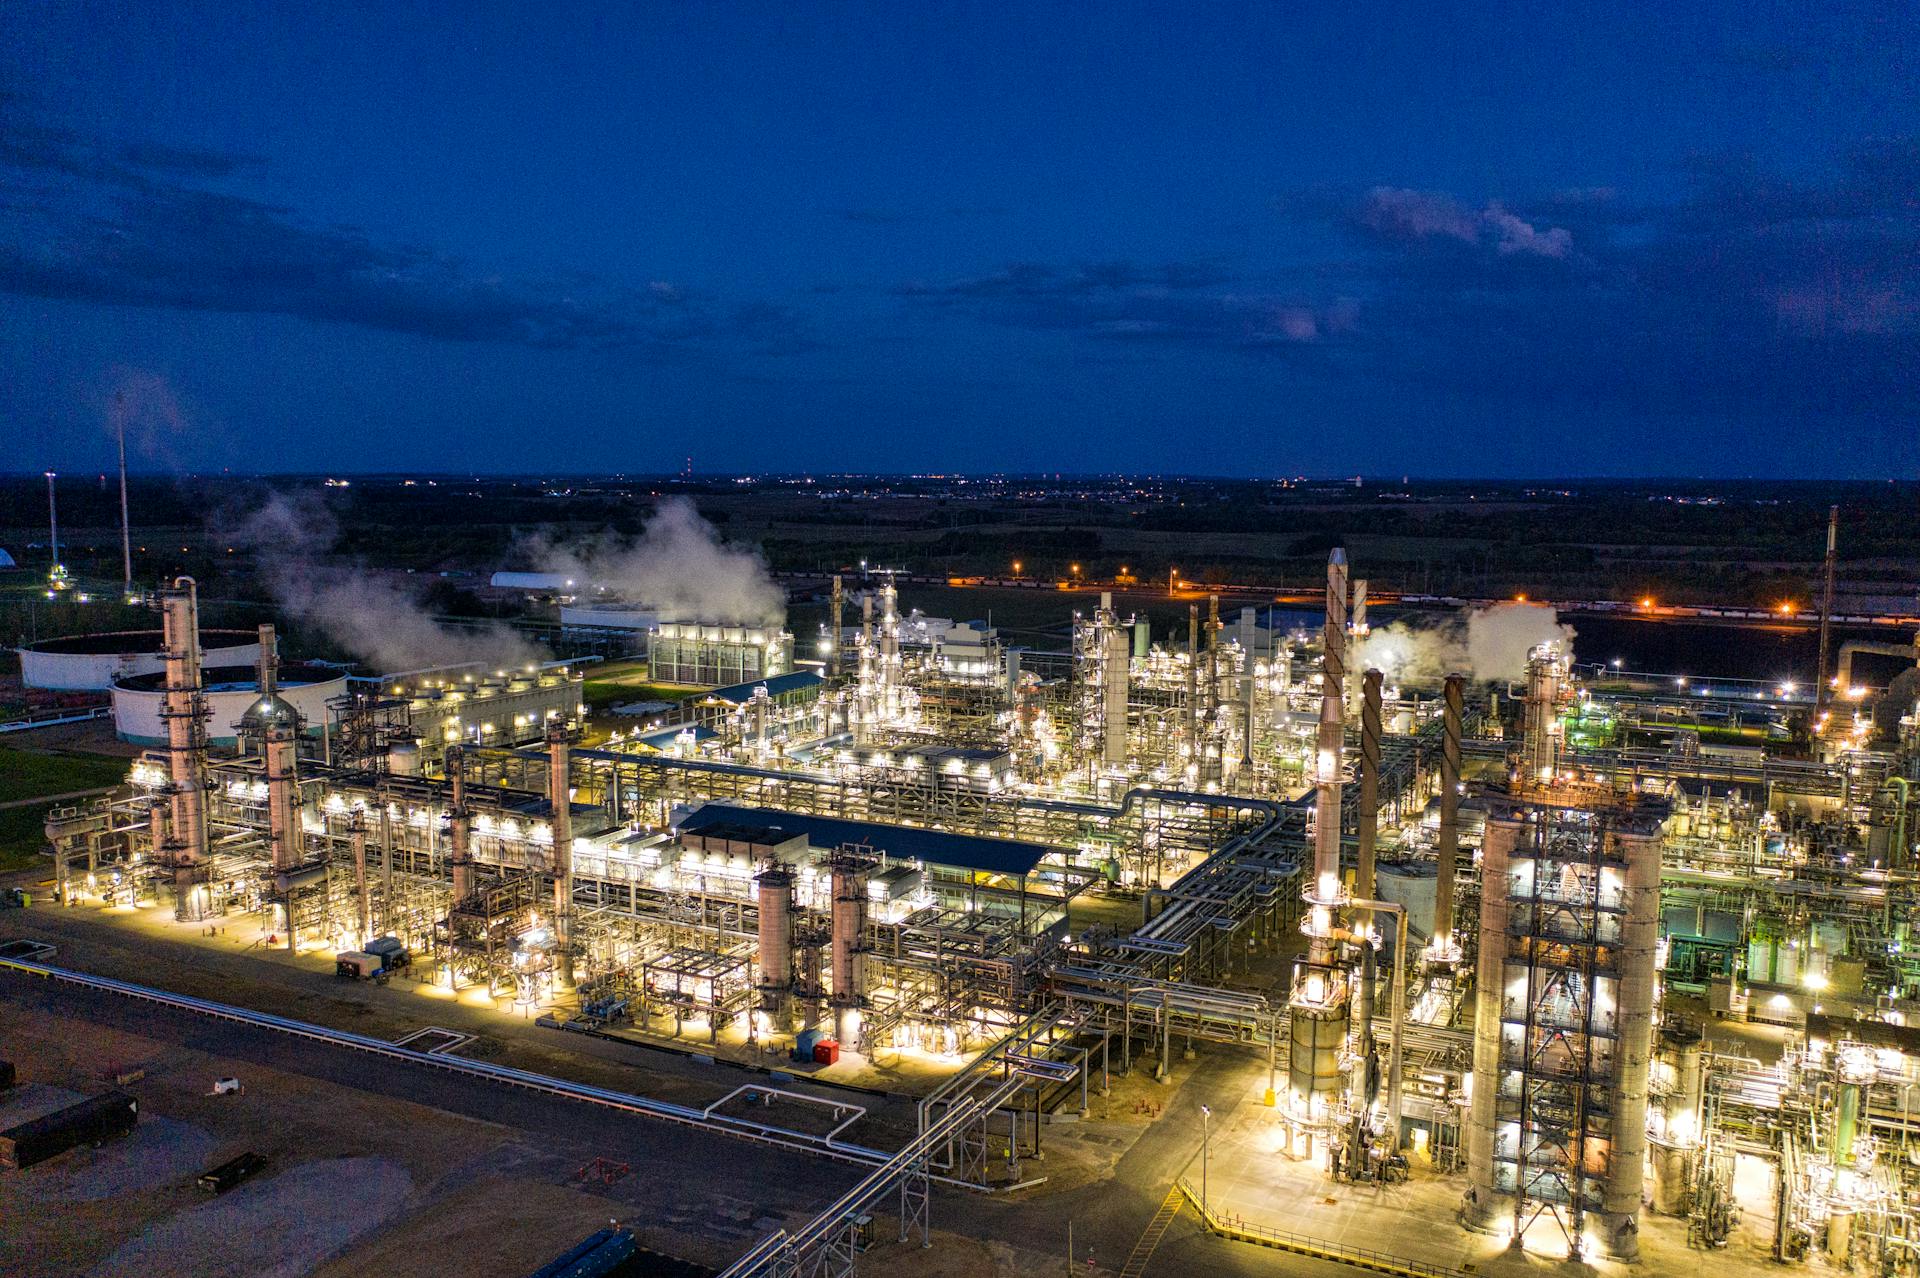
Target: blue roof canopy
777	686
936	847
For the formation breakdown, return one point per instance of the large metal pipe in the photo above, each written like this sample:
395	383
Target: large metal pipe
1370	698
560	798
459	826
185	710
1448	848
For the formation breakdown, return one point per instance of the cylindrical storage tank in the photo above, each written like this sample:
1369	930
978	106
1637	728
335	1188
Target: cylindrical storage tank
230	692
775	884
403	759
91	663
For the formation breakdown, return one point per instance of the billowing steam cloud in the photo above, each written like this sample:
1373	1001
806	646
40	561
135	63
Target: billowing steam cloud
374	617
1485	644
678	566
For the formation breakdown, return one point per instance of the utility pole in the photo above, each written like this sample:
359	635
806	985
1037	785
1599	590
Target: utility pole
1206	1132
1826	612
126	527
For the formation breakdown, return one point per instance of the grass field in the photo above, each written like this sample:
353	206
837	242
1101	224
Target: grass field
619	681
25	775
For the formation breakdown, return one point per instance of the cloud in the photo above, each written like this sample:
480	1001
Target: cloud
137	224
1749	297
1196	303
1397	213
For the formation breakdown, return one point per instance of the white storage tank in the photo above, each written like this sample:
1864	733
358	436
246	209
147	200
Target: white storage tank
230	692
90	663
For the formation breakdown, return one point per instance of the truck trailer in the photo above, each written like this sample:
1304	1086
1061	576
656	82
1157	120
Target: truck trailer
88	1123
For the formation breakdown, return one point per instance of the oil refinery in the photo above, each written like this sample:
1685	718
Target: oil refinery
1469	933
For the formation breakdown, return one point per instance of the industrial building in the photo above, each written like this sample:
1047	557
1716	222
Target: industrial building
711	655
1509	921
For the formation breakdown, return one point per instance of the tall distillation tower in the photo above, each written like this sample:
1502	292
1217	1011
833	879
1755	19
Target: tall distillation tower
1563	1021
1320	1001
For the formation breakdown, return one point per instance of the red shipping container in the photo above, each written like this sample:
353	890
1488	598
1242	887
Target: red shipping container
826	1052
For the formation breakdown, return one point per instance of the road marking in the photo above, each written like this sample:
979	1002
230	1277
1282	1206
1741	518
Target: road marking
1150	1236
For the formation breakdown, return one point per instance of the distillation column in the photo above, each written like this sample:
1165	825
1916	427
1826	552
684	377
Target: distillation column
560	797
1114	648
1486	1197
1540	751
1443	949
775	891
834	614
357	837
849	941
284	833
1318	1024
1640	930
185	710
1677	1148
459	829
1369	814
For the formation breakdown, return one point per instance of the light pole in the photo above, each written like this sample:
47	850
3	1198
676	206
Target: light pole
53	524
1206	1131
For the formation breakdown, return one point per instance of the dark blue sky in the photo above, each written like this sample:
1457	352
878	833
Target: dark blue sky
1265	239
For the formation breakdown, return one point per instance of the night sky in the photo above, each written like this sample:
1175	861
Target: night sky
1201	238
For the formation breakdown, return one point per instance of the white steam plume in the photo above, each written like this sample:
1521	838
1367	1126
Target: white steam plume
372	616
677	566
1485	644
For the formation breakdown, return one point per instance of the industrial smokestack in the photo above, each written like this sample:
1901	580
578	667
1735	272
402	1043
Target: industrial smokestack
1369	782
1449	842
560	796
185	710
459	826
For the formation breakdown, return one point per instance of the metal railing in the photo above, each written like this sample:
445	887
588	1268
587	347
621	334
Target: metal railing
1379	1262
828	1146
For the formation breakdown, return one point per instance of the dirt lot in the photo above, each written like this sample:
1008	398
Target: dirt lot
359	1181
